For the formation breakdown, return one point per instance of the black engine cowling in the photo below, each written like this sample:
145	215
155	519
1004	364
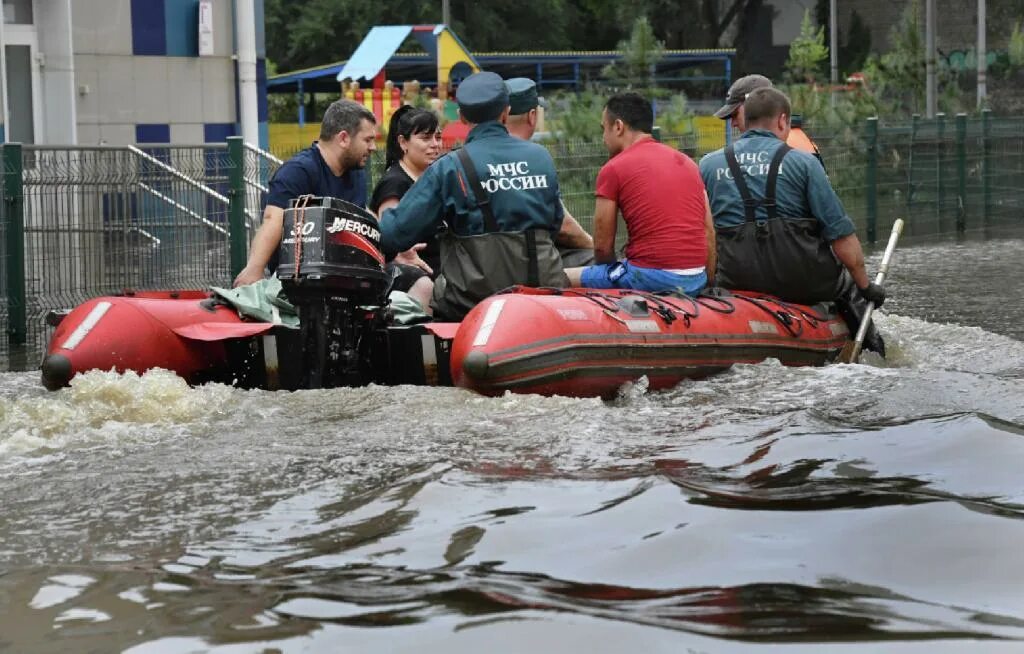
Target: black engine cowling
330	245
332	269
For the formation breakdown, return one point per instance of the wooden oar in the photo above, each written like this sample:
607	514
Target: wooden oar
851	351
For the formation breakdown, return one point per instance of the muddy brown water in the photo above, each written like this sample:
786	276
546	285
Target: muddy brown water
875	507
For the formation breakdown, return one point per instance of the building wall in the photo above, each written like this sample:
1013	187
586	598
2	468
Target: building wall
127	71
139	77
57	77
788	15
956	24
778	23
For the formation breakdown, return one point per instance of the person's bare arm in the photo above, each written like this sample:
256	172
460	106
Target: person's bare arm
709	231
267	238
605	216
849	252
572	234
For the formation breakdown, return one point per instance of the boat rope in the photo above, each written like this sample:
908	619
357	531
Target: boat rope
663	300
300	221
666	305
724	305
790	321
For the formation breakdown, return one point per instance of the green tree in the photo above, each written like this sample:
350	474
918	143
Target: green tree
854	52
305	33
897	78
807	52
690	23
641	53
858	45
1015	49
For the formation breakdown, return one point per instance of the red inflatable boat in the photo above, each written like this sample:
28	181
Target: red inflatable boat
182	331
581	342
574	342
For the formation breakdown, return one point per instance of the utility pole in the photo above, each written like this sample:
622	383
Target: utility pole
245	28
929	55
446	12
833	45
982	57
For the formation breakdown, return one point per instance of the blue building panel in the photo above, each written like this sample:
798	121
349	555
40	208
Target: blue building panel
149	30
152	133
218	132
261	35
264	135
181	20
261	90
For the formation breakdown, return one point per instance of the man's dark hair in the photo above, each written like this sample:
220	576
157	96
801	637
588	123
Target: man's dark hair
765	103
633	110
408	120
344	116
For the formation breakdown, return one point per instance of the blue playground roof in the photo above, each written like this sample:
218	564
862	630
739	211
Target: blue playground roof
549	68
382	42
374	52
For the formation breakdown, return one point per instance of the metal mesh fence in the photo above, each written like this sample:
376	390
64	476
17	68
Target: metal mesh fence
941	176
260	166
937	176
102	220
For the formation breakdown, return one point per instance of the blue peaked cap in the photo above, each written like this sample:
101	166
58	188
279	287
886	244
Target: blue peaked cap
482	97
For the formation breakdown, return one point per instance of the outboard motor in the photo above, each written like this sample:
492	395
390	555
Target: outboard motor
332	270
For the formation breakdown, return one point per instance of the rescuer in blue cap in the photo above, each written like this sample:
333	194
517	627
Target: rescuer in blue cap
780	227
524	114
497	202
524	104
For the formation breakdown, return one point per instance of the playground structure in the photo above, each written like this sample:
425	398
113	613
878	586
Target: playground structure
451	58
383	98
363	78
382	76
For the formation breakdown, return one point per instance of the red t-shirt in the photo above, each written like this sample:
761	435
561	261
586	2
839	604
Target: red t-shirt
454	133
661	196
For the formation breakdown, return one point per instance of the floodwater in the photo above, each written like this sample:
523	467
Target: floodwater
874	507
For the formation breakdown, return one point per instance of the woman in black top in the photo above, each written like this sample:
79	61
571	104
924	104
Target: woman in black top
414	142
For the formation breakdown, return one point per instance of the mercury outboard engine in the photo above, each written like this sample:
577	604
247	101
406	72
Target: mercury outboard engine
332	270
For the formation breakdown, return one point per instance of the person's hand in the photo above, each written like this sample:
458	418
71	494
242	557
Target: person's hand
873	293
411	257
249	275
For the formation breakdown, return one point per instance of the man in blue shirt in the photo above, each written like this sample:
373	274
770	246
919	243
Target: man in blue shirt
498	197
332	166
780	227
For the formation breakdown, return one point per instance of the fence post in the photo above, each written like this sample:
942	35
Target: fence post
914	124
14	231
871	176
940	154
961	172
239	243
986	144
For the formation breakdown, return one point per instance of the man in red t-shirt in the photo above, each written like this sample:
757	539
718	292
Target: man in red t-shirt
671	238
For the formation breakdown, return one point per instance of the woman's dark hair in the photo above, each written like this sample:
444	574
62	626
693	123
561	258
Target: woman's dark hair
408	120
